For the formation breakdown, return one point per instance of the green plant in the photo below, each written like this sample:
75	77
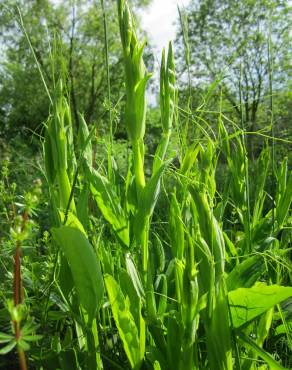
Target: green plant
153	268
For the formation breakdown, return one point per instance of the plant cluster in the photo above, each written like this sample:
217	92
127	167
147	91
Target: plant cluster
203	283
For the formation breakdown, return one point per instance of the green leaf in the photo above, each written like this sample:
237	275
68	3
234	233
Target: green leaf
140	107
49	160
162	291
82	206
150	194
210	228
128	289
284	203
124	321
109	204
84	266
4	338
189	158
248	303
4	350
245	274
282	329
23	345
158	255
84	142
72	221
176	228
161	151
174	338
32	338
132	271
206	268
156	365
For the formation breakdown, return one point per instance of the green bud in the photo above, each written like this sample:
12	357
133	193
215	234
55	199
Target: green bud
167	89
136	75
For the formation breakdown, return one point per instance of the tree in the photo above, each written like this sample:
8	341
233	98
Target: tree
79	29
230	39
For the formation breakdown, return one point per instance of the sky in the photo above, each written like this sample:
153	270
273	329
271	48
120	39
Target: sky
158	19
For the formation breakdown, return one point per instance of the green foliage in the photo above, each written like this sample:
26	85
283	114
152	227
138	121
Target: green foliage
144	262
124	321
84	267
249	303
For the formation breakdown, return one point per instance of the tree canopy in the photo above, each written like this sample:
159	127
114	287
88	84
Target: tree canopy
75	32
244	44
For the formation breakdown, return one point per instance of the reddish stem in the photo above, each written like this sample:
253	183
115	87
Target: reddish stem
18	292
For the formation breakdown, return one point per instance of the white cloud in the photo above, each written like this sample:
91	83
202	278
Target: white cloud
158	20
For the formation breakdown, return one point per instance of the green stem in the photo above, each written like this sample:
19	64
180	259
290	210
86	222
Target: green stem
18	293
187	362
142	241
246	213
22	359
271	113
92	346
108	88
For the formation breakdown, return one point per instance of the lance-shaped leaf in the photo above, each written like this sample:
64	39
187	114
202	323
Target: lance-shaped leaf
149	198
245	274
84	265
124	321
209	227
109	204
49	159
84	142
133	274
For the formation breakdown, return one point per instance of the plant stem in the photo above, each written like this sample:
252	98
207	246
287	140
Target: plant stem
144	245
18	293
271	113
108	87
246	171
22	359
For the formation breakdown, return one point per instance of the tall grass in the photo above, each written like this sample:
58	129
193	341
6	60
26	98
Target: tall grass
198	285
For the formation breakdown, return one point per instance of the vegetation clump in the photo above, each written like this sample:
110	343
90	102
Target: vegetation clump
179	260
